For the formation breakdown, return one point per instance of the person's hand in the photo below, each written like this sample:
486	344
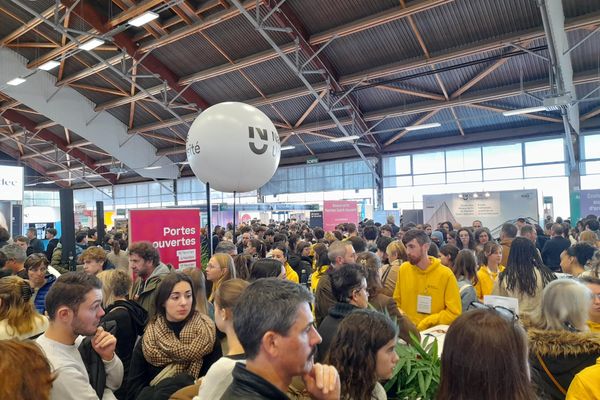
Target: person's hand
104	344
323	382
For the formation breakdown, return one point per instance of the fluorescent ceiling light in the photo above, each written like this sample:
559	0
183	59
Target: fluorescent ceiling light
154	167
424	126
47	66
524	111
91	44
15	82
47	182
345	138
143	19
284	148
183	163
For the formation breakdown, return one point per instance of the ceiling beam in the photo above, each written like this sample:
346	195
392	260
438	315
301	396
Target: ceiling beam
13	153
151	63
287	17
379	72
416	108
28	26
62	144
481	137
403	132
365	23
473	49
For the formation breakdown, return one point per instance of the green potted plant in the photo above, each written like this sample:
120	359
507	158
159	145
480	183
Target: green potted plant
417	374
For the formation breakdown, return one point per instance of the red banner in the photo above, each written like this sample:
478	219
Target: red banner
174	232
337	212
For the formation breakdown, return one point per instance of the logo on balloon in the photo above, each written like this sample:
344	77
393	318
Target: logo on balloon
192	149
263	134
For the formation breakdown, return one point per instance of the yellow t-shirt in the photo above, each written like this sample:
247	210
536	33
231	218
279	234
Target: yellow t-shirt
585	385
594	326
290	274
486	280
437	284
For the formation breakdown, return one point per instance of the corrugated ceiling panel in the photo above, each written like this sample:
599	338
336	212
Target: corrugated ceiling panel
238	39
574	8
189	55
381	45
318	16
467	21
230	87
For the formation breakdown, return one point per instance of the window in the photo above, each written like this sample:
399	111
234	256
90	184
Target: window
427	163
591	147
462	160
544	151
502	173
398	165
502	156
463	176
543	171
429	179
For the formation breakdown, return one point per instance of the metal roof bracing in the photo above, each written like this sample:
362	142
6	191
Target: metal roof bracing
386	64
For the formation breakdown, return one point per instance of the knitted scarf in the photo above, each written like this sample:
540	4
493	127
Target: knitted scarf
161	346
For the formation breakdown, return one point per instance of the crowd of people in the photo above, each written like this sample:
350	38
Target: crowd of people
285	310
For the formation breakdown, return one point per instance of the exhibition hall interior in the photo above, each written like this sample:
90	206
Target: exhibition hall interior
306	199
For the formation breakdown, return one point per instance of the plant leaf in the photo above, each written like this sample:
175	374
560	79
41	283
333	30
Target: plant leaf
422	388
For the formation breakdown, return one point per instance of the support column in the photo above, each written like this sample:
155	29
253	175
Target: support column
575	183
379	184
67	221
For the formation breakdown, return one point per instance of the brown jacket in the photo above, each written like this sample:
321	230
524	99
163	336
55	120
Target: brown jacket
389	276
324	299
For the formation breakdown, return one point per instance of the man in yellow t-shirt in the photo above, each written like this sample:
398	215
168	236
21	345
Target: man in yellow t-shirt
426	290
594	285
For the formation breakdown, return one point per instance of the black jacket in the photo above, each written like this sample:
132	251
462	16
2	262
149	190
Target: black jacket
50	248
131	320
551	252
35	246
302	267
93	362
328	328
249	386
564	353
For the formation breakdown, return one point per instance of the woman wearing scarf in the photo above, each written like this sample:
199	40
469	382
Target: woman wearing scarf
175	342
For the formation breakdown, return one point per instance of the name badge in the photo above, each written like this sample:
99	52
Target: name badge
424	304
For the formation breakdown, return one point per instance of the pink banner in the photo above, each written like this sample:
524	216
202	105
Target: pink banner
174	232
337	212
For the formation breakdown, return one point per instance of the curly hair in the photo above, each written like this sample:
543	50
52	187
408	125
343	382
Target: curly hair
93	253
354	348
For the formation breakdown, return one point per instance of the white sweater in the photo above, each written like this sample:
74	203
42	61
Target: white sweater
217	378
72	381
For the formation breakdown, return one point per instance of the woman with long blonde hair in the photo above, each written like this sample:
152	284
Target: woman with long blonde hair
18	317
219	269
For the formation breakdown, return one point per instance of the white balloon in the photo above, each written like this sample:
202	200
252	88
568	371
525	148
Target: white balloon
234	147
